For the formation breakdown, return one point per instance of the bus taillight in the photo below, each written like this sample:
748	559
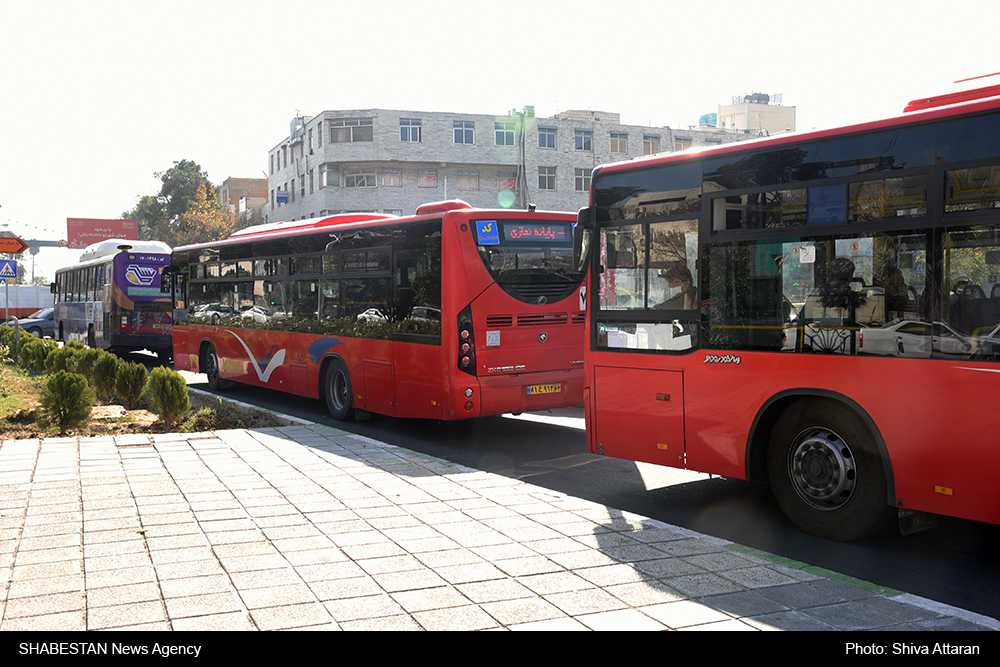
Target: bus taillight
466	342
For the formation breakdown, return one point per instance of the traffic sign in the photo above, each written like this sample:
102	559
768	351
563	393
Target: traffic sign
11	243
8	268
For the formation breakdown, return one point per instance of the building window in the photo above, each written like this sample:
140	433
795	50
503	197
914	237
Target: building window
302	185
312	181
650	144
427	178
409	129
468	180
359	178
392	178
507	180
619	142
505	133
583	180
465	132
350	129
546	137
319	133
329	176
682	143
546	178
584	140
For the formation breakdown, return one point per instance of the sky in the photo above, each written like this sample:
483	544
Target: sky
97	97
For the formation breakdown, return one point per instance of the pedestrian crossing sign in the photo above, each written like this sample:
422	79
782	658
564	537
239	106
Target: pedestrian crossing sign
8	269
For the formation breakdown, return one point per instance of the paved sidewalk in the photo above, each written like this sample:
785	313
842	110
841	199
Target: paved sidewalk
309	527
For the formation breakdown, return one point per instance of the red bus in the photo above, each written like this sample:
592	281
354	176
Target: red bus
447	314
818	310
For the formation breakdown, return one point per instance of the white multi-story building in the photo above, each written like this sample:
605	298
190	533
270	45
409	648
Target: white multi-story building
390	161
759	114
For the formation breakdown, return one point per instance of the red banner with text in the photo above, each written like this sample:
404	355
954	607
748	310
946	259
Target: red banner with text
81	232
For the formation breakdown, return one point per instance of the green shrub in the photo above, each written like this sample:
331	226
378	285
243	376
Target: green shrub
35	351
104	374
7	340
75	345
130	383
61	359
66	402
83	363
169	394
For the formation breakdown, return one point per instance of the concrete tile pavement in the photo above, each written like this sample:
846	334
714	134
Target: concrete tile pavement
307	527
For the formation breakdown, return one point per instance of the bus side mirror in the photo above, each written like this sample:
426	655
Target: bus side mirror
166	278
54	288
582	236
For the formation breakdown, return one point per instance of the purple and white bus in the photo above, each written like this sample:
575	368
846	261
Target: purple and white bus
111	299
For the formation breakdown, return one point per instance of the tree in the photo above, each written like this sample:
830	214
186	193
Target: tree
159	216
205	220
151	218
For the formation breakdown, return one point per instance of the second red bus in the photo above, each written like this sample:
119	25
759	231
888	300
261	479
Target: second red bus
448	314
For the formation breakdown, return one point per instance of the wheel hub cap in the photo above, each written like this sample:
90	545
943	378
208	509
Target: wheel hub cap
822	469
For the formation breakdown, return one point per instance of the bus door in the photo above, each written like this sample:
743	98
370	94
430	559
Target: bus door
379	387
177	284
639	414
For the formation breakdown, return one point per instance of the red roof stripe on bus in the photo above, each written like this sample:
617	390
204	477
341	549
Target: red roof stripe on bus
952	98
286	226
910	118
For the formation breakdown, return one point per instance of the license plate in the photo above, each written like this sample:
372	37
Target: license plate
544	389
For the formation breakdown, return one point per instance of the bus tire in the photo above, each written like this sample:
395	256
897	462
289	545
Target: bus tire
338	392
826	472
215	381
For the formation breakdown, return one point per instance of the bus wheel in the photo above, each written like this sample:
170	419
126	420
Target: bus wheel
215	381
826	473
337	390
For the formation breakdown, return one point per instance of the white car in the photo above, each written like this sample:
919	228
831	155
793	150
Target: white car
373	315
212	312
899	338
256	313
911	338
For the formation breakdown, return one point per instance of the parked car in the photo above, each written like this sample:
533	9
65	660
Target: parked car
373	315
909	338
426	314
256	313
212	312
39	324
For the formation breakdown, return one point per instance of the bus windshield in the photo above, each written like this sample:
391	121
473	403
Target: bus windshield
529	259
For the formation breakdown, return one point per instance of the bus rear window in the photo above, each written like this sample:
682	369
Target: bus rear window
529	259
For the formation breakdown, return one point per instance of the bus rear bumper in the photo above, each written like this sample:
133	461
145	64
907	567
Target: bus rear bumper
527	392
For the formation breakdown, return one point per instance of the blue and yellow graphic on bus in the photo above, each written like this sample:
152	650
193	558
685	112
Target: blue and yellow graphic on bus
487	232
